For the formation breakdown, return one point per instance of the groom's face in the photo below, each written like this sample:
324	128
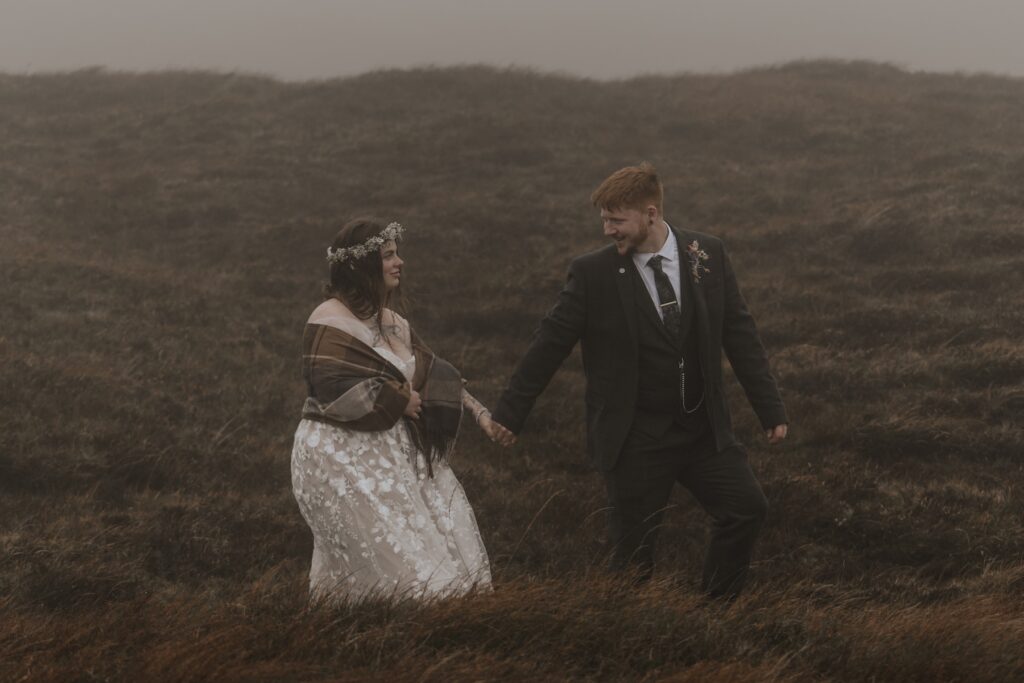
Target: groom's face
627	228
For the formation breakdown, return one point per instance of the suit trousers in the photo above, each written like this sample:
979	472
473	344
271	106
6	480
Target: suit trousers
639	486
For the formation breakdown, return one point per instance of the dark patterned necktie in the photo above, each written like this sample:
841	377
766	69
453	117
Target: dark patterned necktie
667	298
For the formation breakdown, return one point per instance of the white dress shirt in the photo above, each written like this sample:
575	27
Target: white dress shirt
670	264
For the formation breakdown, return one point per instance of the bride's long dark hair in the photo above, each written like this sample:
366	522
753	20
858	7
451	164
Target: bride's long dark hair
359	283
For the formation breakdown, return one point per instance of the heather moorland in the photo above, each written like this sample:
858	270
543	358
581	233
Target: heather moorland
162	241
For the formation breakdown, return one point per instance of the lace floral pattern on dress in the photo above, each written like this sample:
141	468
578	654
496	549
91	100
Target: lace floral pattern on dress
379	522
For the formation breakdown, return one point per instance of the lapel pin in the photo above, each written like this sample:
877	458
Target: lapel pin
622	271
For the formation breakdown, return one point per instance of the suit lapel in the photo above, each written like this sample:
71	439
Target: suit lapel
624	283
696	291
688	291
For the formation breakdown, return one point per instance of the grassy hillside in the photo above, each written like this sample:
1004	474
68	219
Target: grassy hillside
162	243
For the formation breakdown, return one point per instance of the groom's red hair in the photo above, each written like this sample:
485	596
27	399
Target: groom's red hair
632	187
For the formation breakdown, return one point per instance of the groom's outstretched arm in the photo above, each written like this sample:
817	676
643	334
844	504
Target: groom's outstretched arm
747	355
558	333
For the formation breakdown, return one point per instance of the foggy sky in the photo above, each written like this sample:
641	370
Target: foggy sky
299	39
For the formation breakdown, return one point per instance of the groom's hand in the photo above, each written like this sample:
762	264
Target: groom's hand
776	433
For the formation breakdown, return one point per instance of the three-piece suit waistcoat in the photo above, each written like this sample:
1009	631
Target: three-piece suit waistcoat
658	360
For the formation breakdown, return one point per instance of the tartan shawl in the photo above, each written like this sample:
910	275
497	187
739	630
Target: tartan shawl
352	386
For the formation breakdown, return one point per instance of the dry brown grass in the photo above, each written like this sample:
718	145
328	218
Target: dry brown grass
162	244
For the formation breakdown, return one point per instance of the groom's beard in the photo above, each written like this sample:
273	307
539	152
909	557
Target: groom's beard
629	244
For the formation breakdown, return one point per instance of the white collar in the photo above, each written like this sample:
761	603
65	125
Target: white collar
669	251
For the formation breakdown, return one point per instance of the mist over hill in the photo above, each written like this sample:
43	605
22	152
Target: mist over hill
163	237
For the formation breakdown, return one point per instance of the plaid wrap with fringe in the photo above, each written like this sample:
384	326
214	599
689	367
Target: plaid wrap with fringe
350	385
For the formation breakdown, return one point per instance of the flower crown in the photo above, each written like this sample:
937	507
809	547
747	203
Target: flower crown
392	232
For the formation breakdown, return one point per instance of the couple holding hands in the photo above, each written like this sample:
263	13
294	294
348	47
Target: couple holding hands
653	312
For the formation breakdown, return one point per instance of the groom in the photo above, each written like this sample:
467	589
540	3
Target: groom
653	311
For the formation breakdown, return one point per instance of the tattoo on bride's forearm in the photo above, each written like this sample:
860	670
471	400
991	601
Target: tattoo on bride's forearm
472	405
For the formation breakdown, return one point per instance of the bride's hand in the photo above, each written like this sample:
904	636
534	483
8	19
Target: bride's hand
496	432
415	406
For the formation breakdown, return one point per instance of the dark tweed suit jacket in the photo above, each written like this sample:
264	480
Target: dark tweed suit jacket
597	307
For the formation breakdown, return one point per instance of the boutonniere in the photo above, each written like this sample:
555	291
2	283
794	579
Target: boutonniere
697	257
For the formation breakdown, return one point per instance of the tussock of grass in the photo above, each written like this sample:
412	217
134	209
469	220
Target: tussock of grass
582	628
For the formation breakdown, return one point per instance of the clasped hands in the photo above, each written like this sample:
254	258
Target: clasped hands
496	432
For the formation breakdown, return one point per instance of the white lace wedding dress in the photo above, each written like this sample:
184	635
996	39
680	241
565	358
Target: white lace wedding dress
380	523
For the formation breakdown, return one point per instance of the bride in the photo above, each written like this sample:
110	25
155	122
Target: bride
369	466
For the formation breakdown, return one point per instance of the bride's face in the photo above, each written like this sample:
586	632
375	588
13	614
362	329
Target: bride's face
392	264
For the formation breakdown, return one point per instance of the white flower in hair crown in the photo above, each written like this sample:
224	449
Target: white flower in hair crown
392	232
